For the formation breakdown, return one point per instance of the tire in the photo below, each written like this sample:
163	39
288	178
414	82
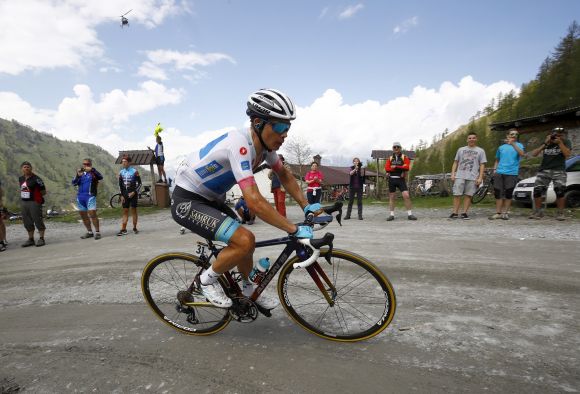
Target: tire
361	310
170	275
572	198
479	195
115	201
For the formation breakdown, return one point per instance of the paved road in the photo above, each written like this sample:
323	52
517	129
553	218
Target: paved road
482	307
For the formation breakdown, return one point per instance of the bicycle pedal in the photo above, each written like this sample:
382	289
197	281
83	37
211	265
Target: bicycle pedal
264	311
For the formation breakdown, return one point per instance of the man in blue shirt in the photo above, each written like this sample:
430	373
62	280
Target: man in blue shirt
506	168
87	180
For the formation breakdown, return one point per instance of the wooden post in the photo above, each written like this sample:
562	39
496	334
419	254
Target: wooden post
377	191
153	191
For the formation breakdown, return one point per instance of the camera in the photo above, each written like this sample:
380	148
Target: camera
359	165
553	135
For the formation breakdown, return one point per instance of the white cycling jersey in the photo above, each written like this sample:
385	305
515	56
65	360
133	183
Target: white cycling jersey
225	161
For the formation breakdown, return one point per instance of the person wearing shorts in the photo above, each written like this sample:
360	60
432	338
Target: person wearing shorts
160	160
467	175
555	150
32	190
129	185
87	180
506	169
396	167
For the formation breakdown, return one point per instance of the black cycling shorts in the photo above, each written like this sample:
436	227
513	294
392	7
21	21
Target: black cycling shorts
395	183
131	202
212	220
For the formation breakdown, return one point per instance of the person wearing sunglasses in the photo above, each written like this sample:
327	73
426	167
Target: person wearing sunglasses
204	177
396	168
506	169
87	180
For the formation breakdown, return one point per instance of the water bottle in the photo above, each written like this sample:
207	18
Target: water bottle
259	271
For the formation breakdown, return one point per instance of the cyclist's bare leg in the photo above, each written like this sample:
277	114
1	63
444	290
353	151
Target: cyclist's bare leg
125	218
238	253
134	216
507	205
407	200
94	219
86	221
499	203
392	201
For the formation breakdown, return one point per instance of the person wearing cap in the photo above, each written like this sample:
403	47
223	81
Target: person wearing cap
396	167
467	175
555	150
32	190
506	169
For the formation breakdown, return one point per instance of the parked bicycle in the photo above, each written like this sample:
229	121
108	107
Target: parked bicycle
484	189
144	194
332	293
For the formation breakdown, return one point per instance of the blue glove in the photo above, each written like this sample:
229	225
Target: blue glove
303	232
312	208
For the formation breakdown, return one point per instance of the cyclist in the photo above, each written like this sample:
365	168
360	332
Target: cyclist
87	179
396	168
129	184
198	201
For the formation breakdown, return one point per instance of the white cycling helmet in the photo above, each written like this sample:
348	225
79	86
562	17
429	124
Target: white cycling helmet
271	103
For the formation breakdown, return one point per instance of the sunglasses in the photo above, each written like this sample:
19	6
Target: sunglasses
396	147
279	127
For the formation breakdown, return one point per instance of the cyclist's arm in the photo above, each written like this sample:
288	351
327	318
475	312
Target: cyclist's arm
262	208
137	182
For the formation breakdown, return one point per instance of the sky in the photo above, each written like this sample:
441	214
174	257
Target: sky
363	74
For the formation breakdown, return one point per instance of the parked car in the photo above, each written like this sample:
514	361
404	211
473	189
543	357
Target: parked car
524	189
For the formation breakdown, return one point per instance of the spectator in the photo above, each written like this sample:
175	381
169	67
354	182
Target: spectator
314	179
242	209
87	179
160	159
555	150
278	189
467	175
506	169
32	190
396	168
357	181
129	184
2	225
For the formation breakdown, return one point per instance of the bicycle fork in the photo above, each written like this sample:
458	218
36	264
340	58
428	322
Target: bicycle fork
316	272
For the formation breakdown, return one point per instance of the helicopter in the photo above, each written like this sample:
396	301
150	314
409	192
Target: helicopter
125	21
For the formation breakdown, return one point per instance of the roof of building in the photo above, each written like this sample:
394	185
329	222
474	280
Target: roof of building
383	154
568	113
333	175
138	157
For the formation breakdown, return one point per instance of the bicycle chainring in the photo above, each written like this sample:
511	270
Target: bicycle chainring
243	310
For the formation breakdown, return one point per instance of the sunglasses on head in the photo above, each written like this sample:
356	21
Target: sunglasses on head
279	127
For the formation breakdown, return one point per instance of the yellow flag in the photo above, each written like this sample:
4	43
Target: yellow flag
158	129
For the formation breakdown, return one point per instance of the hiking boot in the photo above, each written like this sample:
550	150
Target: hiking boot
496	216
98	236
215	294
29	242
465	217
40	242
505	216
360	218
454	216
121	233
390	218
412	217
87	235
560	216
267	301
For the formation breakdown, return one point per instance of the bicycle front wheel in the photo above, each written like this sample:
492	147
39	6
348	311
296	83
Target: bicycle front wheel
479	195
167	285
347	301
115	201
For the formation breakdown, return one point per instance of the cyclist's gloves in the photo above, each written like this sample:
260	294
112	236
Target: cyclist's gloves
303	232
311	208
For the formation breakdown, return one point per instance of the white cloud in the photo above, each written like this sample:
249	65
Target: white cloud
332	126
84	118
350	11
178	61
407	24
46	34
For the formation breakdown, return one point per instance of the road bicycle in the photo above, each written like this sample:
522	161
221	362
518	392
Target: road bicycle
144	194
332	293
483	190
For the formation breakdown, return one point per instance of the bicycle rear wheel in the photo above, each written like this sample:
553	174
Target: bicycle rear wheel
166	284
479	195
357	301
115	201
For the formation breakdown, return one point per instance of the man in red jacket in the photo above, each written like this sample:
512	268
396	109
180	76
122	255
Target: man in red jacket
396	167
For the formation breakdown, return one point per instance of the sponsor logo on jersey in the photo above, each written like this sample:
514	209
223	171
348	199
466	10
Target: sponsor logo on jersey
208	169
243	150
245	165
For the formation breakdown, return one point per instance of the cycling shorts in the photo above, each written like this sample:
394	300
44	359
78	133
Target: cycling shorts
131	202
86	202
212	220
395	183
160	160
